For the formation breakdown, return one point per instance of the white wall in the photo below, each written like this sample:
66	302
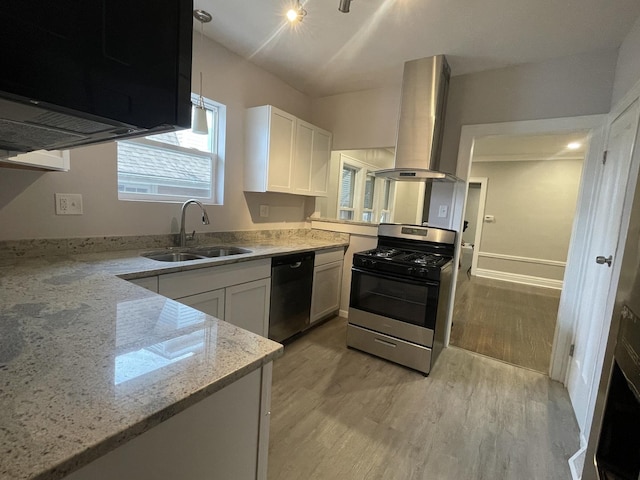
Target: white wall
364	119
628	66
409	203
562	87
26	198
533	203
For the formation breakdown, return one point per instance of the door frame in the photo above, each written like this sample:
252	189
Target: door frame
594	124
479	220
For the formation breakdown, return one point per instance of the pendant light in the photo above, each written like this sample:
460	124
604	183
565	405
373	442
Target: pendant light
200	124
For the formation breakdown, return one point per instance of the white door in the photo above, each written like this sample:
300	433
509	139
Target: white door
605	229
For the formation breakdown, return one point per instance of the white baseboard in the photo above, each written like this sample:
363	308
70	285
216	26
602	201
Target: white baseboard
344	313
576	462
518	278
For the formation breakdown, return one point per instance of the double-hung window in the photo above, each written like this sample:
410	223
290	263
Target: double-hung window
362	196
348	180
175	166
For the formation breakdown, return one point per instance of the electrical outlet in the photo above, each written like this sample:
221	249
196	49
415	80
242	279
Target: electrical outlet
442	211
264	211
68	204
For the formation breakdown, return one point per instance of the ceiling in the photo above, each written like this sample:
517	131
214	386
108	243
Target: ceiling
530	147
330	52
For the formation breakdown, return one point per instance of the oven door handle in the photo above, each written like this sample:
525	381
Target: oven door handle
387	276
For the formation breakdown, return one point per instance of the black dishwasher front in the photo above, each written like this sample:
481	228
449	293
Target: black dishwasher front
291	282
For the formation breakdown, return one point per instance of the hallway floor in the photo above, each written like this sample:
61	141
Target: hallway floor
507	321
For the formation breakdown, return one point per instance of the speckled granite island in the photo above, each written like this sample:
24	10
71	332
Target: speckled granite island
90	364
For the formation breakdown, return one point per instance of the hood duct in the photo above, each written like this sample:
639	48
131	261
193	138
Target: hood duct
425	84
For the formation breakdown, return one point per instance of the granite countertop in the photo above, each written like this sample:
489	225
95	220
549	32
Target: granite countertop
77	376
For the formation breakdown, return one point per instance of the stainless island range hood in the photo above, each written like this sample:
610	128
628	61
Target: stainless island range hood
425	84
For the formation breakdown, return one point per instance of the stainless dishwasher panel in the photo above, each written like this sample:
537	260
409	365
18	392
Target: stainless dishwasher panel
291	282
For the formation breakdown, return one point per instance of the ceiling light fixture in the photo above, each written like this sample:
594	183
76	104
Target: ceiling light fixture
200	124
344	6
296	13
574	145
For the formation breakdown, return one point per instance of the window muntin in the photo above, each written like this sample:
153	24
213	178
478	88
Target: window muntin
174	166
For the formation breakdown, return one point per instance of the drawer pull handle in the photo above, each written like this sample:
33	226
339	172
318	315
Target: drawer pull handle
383	342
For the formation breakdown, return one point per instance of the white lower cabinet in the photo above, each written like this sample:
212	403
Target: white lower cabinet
150	283
212	303
247	305
219	437
327	284
237	293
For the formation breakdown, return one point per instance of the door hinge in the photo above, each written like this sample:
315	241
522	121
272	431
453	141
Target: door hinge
572	348
604	157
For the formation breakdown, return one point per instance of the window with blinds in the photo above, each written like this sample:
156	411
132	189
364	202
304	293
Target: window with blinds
362	196
347	192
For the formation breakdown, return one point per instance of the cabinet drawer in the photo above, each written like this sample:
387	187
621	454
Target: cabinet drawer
328	256
181	284
398	351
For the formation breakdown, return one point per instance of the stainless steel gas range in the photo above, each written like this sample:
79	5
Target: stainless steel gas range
400	295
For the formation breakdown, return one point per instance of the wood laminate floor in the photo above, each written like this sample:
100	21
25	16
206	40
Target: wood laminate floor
339	413
508	321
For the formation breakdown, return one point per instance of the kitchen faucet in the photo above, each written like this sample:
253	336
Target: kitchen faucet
205	220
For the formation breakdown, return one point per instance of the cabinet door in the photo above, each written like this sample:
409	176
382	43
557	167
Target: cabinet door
320	158
265	420
281	141
247	306
211	303
48	160
303	158
217	438
325	298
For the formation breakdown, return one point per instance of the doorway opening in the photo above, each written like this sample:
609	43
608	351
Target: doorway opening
518	218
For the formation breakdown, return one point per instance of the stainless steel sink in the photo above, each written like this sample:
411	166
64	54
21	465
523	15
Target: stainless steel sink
195	253
173	256
217	251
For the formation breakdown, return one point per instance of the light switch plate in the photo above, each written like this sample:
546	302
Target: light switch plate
264	211
442	211
68	204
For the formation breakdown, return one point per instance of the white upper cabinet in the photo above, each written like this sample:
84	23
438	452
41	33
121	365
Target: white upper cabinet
42	159
285	154
302	159
320	162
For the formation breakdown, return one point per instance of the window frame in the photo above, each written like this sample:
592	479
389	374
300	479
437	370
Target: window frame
217	142
364	170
